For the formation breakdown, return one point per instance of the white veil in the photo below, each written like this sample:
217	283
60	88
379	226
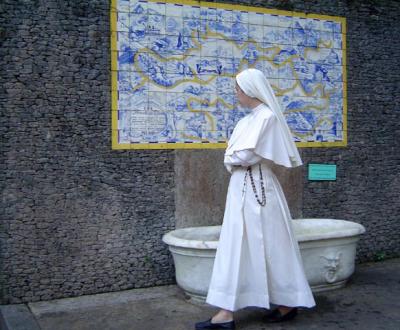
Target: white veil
255	84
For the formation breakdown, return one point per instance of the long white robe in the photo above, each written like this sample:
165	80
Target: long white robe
258	260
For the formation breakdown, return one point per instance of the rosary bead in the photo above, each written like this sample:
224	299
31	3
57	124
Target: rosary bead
250	173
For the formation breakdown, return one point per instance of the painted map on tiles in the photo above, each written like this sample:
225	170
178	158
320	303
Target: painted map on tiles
173	67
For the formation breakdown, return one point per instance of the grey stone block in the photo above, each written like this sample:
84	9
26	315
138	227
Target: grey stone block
17	317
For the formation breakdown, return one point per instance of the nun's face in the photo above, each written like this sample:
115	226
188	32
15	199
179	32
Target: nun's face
241	96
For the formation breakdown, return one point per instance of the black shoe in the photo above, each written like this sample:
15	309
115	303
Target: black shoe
208	325
276	316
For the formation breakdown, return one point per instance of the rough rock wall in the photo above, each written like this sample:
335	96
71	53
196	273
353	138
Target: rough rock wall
78	218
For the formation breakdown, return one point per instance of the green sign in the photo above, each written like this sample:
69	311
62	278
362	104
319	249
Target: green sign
321	172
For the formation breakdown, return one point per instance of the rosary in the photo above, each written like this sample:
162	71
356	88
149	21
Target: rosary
263	197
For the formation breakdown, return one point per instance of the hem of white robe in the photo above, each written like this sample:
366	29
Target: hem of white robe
230	303
290	299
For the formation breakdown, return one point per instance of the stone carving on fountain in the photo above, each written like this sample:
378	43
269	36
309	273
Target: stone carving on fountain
332	266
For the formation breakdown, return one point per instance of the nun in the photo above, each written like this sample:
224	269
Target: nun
258	261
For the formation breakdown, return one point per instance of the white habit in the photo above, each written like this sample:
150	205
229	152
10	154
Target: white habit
258	260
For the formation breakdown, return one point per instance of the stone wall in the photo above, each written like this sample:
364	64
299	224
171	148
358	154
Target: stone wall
367	187
79	218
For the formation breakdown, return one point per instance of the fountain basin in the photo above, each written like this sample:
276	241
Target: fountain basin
327	248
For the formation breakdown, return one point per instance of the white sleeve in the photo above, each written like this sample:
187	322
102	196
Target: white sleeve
242	158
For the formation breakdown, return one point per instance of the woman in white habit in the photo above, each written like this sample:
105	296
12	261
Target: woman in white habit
258	260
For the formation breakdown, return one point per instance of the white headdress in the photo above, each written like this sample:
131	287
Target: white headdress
255	84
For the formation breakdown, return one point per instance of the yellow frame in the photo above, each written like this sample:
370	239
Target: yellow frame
196	145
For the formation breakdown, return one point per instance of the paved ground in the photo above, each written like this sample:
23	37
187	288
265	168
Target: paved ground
369	301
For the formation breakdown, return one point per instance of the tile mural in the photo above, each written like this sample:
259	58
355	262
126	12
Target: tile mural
174	63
